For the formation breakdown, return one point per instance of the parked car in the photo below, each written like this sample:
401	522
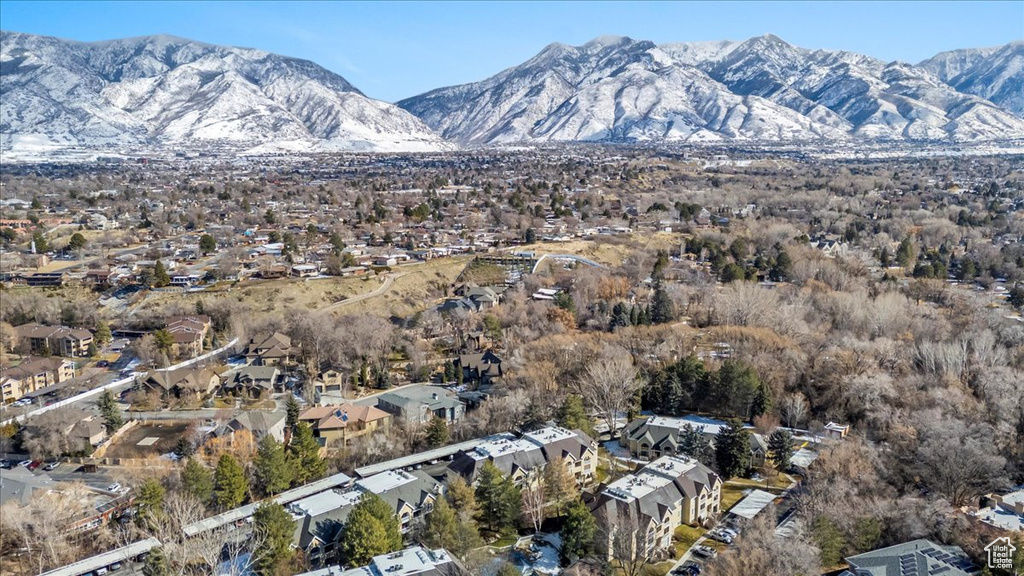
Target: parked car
115	566
720	536
51	466
705	551
24	463
102	364
115	487
688	569
34	464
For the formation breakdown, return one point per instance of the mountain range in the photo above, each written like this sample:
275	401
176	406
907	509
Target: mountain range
172	91
762	89
168	91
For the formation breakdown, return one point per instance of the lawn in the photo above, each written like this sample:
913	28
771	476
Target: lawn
731	494
684	537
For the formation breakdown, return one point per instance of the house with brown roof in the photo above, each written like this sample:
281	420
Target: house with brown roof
343	422
31	374
274	350
481	368
189	333
188	383
54	340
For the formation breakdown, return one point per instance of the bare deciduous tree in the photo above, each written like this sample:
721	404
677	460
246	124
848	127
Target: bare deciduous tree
609	384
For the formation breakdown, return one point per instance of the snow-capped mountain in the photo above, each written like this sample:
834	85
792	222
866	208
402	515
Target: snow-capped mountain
996	74
946	65
167	90
762	89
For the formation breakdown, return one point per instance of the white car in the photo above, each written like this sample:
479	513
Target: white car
25	463
115	487
706	551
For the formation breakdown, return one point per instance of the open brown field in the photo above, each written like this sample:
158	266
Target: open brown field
148	440
414	288
608	250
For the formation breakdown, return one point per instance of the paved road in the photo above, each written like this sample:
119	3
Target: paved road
389	279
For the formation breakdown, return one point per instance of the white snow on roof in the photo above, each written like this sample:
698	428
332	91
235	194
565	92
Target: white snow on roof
380	483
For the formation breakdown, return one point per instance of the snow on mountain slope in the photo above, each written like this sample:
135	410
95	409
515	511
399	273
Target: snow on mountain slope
167	90
612	88
616	88
997	77
947	65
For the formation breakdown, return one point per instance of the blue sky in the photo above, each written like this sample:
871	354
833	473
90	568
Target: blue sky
392	50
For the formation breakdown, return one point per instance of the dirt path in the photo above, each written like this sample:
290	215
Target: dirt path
389	280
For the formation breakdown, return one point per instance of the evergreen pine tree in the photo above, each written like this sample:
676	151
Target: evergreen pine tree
571	414
291	409
305	453
156	563
274	528
762	403
371	529
160	276
270	467
780	449
197	481
693	443
229	483
578	533
112	417
102	335
437	432
149	502
732	447
500	499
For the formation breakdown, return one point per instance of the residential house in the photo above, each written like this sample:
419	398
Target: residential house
645	508
189	333
54	340
921	557
650	437
1004	511
419	405
413	561
90	429
252	381
274	350
838	431
47	279
259	423
329	380
482	368
189	383
342	422
31	374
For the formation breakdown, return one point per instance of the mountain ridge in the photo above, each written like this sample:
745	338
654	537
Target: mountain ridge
166	90
720	90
